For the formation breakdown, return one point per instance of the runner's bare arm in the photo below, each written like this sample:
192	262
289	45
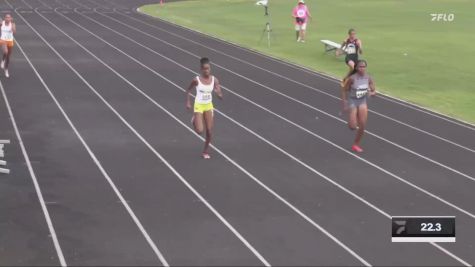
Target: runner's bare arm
13	28
360	45
193	84
217	88
344	90
343	45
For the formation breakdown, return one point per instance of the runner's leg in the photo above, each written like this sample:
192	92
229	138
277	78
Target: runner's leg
209	123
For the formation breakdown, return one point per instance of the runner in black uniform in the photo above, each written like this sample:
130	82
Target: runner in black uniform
353	47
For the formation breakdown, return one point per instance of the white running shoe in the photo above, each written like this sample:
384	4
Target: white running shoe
7	74
298	39
2	65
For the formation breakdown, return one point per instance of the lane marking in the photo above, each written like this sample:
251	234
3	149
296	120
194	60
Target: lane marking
39	194
140	137
24	2
308	219
262	138
303	103
45	5
269	111
91	154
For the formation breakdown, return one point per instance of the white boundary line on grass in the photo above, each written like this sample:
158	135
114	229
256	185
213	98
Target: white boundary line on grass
247	129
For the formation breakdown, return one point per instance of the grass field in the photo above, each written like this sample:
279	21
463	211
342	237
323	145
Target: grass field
410	56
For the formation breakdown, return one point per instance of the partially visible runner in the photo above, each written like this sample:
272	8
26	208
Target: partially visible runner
353	47
204	84
8	28
354	95
301	14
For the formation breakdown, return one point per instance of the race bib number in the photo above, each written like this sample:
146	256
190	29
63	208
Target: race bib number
301	13
351	49
361	92
205	97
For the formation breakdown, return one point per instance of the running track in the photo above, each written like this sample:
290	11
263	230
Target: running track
109	170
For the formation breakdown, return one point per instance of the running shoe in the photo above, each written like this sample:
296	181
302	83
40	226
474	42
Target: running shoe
357	148
7	74
2	65
206	156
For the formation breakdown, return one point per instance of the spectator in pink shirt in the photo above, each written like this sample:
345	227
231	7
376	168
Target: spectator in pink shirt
301	14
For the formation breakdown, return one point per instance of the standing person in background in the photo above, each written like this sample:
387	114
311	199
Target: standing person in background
301	14
353	48
8	28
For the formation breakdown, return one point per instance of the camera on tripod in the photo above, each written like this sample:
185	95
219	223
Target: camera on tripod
267	30
264	3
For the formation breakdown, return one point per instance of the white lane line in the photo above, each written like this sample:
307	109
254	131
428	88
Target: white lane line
45	5
281	76
39	194
91	154
28	5
306	104
66	6
271	112
402	102
451	254
294	158
117	5
239	124
84	6
194	191
308	219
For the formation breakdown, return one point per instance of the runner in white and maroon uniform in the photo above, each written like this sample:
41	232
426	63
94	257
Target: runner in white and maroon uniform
353	47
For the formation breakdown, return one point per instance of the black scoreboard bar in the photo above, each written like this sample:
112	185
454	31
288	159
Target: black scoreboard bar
423	229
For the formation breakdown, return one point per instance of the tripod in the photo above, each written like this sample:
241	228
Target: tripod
267	29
